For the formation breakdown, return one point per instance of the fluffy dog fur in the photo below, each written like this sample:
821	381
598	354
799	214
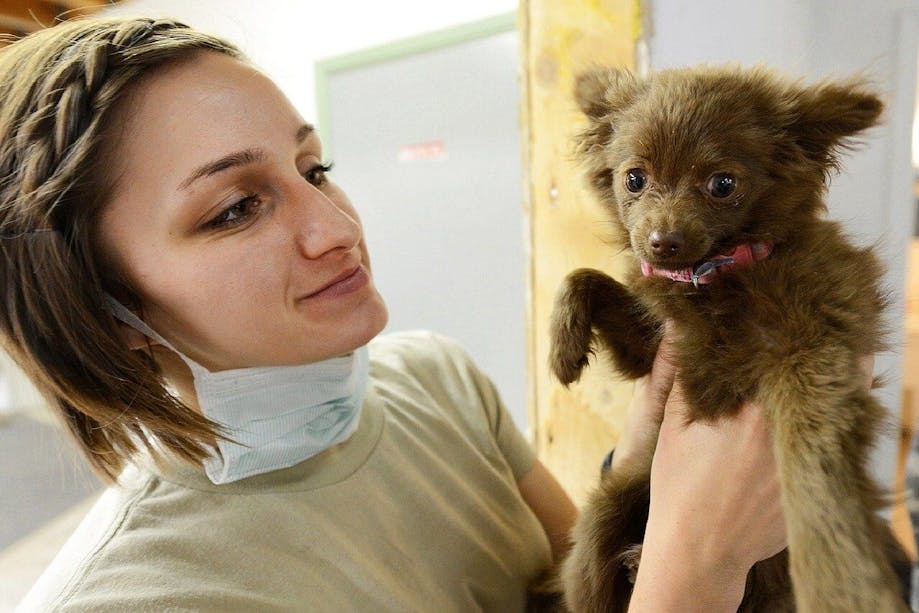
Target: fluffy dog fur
786	332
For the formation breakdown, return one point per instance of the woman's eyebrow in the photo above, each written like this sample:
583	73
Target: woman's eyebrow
303	132
240	158
237	158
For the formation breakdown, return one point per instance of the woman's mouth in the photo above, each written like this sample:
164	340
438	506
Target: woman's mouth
349	281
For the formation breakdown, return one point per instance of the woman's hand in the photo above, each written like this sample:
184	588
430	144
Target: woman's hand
715	510
715	495
715	498
639	438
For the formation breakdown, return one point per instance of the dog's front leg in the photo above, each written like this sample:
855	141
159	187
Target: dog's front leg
592	308
822	424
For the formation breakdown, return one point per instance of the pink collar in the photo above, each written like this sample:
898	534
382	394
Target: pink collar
741	256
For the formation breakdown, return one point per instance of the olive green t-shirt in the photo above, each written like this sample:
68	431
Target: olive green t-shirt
418	511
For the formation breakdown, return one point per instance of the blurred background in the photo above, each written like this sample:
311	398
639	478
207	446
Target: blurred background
418	104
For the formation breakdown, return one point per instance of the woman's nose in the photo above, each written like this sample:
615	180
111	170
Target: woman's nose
321	226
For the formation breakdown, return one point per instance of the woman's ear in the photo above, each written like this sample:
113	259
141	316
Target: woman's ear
133	339
130	333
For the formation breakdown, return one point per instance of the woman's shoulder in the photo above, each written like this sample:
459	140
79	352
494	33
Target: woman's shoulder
434	371
418	353
77	557
432	374
414	344
146	546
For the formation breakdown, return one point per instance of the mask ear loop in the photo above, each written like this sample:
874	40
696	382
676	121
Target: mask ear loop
126	316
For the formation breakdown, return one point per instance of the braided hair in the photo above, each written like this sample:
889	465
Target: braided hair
59	91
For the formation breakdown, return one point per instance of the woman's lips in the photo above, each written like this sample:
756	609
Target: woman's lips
348	282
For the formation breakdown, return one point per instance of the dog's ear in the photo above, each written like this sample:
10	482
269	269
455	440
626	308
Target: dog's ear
826	117
601	92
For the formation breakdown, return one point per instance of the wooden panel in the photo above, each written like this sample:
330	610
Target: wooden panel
912	296
900	520
26	15
83	4
573	428
19	17
902	523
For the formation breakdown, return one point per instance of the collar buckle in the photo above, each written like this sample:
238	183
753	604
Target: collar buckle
709	268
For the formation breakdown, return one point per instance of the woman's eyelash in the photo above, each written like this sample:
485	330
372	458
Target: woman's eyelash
316	174
237	213
241	210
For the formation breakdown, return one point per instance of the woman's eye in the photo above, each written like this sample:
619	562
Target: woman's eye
236	213
317	174
721	185
635	180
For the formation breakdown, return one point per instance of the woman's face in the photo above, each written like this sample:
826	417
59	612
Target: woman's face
244	253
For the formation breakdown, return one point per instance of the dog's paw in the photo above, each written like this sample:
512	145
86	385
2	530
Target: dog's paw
630	559
571	334
567	364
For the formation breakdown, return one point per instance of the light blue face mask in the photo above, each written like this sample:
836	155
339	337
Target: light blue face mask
277	416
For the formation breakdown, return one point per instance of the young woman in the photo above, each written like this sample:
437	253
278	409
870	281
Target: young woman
194	297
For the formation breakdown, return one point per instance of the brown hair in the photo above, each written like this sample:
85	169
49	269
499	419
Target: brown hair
59	89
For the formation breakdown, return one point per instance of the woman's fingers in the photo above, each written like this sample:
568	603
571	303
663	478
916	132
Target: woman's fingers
638	439
663	372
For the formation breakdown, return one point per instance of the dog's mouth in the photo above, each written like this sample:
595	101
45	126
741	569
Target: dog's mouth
678	250
704	270
683	264
674	264
671	265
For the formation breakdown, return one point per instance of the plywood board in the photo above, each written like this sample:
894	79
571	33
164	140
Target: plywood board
573	428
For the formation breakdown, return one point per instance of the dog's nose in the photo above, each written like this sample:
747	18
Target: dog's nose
666	244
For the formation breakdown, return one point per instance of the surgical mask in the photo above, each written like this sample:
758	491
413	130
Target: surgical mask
276	416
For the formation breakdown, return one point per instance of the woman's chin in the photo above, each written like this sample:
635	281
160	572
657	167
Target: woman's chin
372	321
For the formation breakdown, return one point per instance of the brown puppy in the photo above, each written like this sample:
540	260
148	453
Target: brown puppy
714	179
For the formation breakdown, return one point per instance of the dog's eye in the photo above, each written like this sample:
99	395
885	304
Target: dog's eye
721	185
635	180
